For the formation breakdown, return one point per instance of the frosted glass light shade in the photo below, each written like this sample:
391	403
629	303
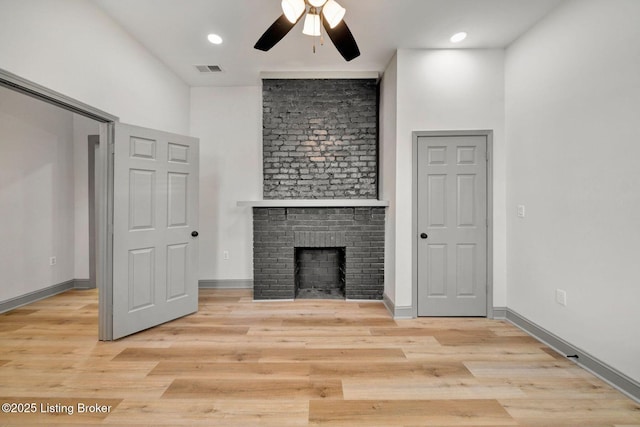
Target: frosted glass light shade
214	38
293	9
333	13
458	37
311	25
317	3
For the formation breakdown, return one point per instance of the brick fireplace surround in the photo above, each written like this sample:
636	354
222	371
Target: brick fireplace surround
278	231
320	169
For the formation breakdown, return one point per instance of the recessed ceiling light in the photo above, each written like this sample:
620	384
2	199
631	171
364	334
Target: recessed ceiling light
214	38
458	37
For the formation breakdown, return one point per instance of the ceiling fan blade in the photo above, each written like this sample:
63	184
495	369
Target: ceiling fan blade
275	33
343	40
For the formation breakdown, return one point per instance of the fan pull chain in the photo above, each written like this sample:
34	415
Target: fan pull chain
319	12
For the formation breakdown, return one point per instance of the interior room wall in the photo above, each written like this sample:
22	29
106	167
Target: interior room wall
73	47
573	97
447	90
36	195
228	121
82	128
387	168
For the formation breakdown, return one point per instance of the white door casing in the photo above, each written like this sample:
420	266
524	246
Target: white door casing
452	225
155	255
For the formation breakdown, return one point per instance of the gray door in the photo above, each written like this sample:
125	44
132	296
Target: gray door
155	247
452	226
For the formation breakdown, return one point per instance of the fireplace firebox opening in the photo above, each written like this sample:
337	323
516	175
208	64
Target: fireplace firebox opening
320	273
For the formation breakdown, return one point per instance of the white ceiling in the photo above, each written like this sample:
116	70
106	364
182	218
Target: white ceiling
176	30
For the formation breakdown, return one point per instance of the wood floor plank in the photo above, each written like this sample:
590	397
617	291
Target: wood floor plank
573	412
220	342
458	337
408	412
18	312
247	370
299	331
479	353
556	388
396	370
379	341
337	355
208	412
260	389
338	321
10	327
425	388
542	369
182	353
190	332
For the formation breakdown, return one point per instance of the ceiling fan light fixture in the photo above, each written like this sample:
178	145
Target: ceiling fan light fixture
311	24
317	3
293	9
333	13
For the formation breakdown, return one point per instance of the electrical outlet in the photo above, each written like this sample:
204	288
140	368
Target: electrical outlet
561	297
225	255
52	260
521	211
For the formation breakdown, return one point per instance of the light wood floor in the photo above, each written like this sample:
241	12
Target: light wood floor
240	363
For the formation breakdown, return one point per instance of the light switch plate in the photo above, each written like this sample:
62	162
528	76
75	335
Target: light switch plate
521	211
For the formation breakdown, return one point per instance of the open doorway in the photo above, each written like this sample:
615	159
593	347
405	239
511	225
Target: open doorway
103	187
168	174
47	170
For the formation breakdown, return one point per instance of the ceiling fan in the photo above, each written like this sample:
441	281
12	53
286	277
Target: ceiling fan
320	13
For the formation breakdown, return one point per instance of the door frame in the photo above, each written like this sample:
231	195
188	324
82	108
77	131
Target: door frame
414	222
103	188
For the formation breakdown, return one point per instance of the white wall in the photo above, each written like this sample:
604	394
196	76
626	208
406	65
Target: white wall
74	48
36	195
228	122
447	90
573	102
387	168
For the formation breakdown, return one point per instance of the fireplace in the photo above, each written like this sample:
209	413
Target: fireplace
320	273
319	232
279	234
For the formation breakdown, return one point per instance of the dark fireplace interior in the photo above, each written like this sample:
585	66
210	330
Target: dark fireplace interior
320	273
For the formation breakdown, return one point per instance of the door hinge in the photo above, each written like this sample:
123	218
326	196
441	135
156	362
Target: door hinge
486	155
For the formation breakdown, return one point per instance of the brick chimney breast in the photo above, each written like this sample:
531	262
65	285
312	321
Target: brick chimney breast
320	138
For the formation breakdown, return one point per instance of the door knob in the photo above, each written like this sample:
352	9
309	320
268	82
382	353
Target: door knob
194	234
423	235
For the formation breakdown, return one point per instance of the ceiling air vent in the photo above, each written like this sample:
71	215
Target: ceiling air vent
209	68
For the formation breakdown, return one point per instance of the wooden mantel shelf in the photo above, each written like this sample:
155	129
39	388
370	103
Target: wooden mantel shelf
313	203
